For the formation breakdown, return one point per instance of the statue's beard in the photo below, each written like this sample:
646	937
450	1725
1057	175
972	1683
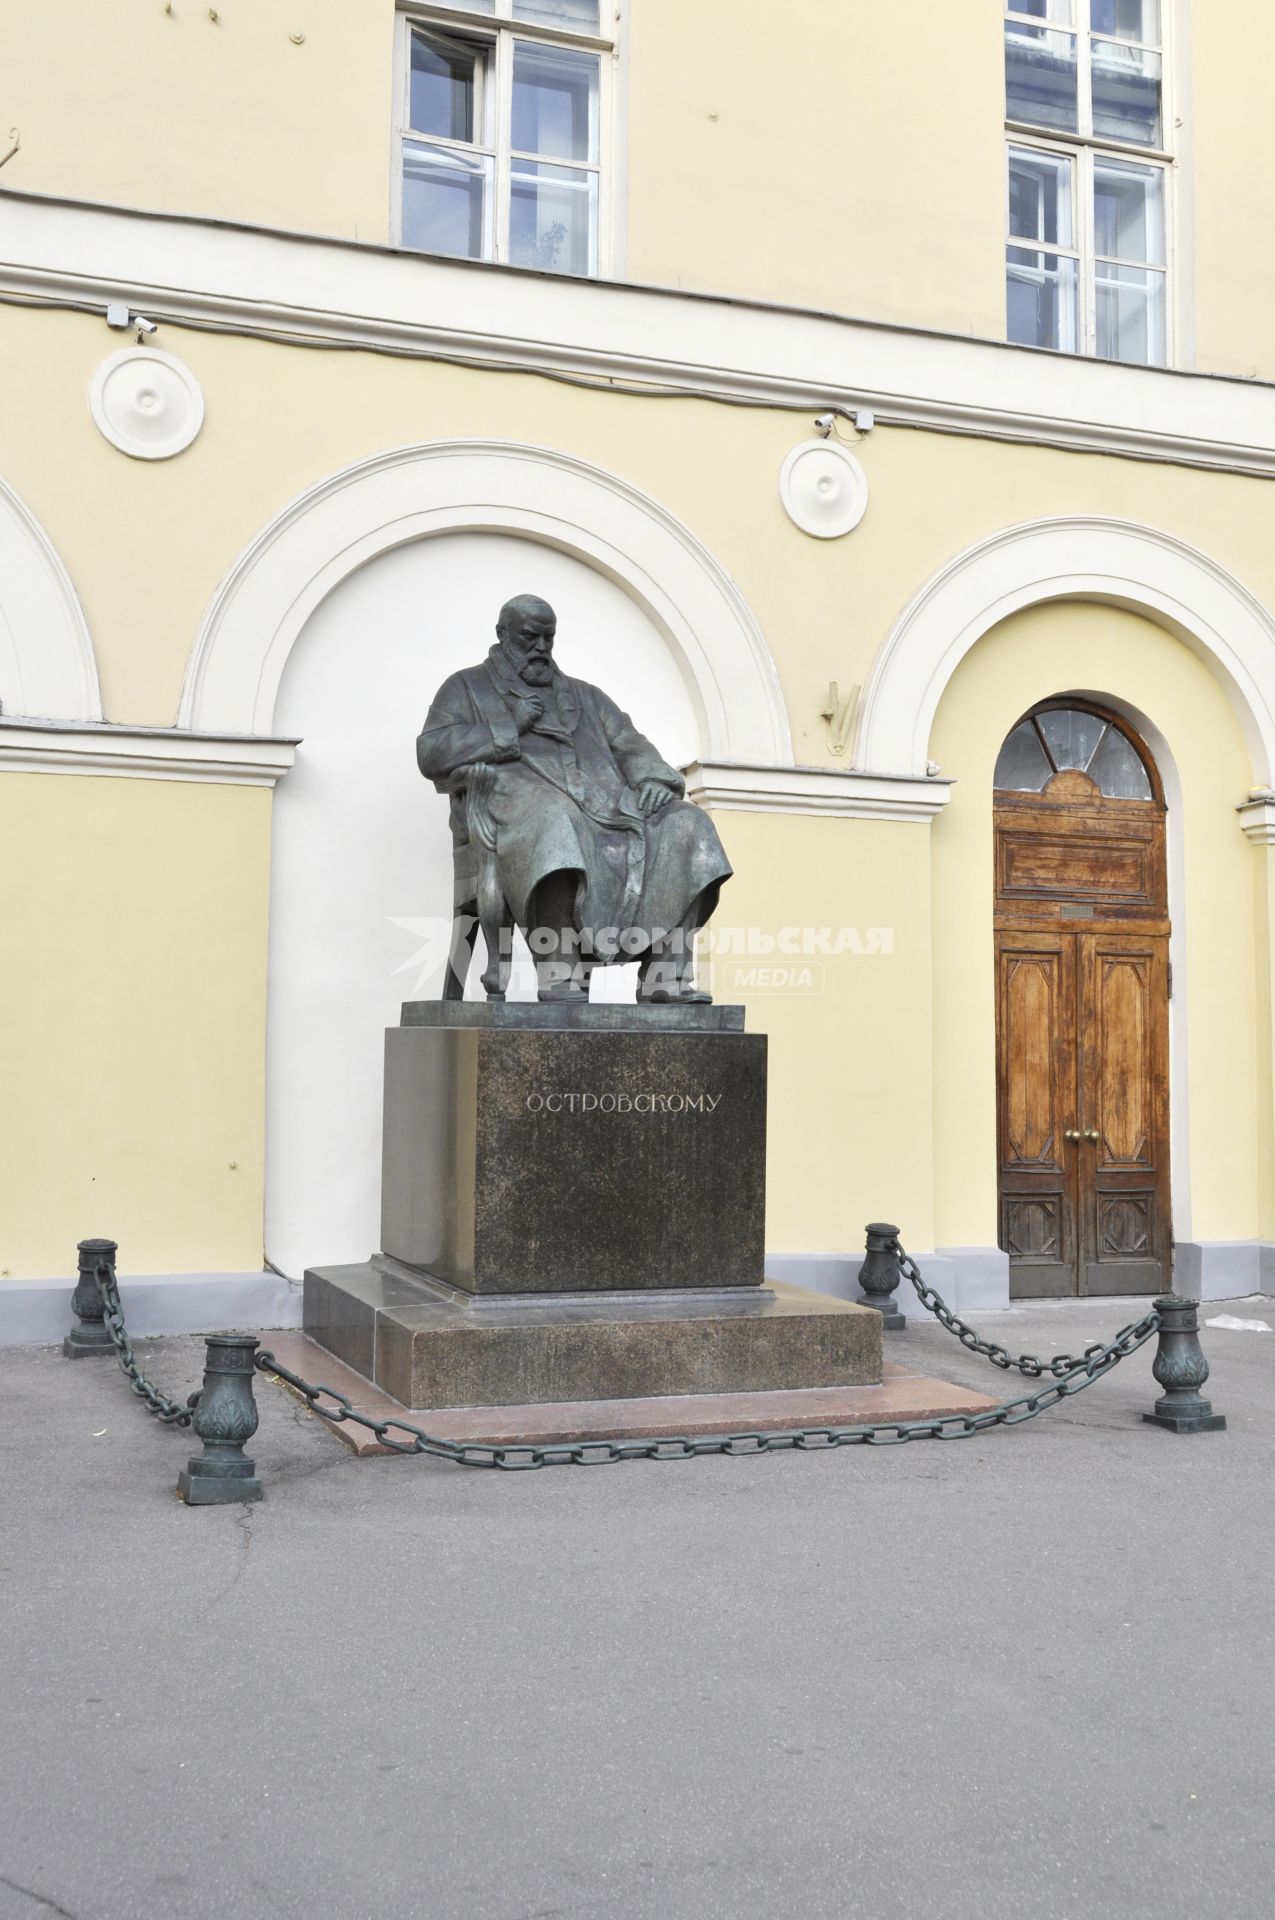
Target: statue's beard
536	672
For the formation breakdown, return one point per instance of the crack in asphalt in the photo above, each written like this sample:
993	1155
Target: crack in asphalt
243	1520
51	1906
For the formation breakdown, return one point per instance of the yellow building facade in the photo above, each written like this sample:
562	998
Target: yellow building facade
851	411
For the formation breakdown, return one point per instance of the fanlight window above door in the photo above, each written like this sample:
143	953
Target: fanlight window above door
1069	739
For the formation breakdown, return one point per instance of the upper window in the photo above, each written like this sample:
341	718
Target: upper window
502	130
1087	254
1071	739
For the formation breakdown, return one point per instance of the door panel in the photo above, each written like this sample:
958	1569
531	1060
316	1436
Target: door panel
1082	1039
1076	867
1036	1009
1071	851
1124	1081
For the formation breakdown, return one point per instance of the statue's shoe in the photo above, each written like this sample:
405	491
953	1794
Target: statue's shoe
565	990
676	997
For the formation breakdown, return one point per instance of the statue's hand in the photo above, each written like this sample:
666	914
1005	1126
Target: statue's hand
652	795
528	708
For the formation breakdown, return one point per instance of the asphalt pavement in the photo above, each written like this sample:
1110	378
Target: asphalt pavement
1023	1673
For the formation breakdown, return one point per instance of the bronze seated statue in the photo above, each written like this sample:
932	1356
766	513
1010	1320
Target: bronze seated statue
566	823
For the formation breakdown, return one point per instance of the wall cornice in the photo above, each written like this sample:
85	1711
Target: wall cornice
1257	820
143	753
847	795
295	287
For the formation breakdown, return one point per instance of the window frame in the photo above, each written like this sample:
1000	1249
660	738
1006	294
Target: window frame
1085	149
498	32
1116	722
1083	249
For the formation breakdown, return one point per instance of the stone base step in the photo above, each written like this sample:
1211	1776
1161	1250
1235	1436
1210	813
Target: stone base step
902	1395
432	1347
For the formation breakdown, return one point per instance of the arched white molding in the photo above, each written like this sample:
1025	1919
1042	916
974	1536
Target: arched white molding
48	669
411	493
1079	558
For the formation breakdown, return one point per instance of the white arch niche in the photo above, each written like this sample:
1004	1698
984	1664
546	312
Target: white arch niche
361	883
48	669
416	492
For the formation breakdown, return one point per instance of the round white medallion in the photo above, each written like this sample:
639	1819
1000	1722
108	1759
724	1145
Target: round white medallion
823	488
146	403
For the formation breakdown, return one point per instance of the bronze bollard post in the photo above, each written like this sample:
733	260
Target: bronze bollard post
225	1417
1181	1369
90	1336
879	1276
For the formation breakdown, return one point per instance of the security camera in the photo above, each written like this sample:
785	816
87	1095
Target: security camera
143	325
824	423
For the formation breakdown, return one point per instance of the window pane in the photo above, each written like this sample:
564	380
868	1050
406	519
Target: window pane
1127	19
574	16
553	218
555	102
1022	766
1040	299
1071	737
1118	771
443	80
470	6
1130	314
1058	11
1040	76
1128	211
446	201
1040	196
1126	93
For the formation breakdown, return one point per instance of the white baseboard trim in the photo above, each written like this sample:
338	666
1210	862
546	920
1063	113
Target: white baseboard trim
1223	1269
38	1312
980	1276
969	1278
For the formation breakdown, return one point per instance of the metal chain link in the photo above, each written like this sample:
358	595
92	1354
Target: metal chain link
1026	1363
1072	1375
156	1402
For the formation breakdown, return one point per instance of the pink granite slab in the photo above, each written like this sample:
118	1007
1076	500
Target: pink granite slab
903	1395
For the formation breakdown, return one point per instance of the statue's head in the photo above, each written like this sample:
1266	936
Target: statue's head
525	630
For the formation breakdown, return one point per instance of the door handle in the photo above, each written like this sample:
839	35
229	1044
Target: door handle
1092	1133
1072	1133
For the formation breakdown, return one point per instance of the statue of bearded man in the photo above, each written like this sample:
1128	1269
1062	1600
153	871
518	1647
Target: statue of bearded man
586	841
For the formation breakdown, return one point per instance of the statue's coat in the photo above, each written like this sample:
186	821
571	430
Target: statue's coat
564	800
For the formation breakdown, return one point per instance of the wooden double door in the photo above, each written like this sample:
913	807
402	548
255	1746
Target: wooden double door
1082	963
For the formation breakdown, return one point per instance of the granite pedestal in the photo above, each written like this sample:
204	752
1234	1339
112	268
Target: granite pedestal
526	1159
431	1346
573	1209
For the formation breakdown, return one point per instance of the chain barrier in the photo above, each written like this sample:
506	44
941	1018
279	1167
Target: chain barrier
1071	1375
157	1403
1027	1363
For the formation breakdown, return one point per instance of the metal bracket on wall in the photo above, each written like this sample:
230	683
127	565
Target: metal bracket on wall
840	716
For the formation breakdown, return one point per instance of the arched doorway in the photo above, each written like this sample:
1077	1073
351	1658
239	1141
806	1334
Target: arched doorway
1082	939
